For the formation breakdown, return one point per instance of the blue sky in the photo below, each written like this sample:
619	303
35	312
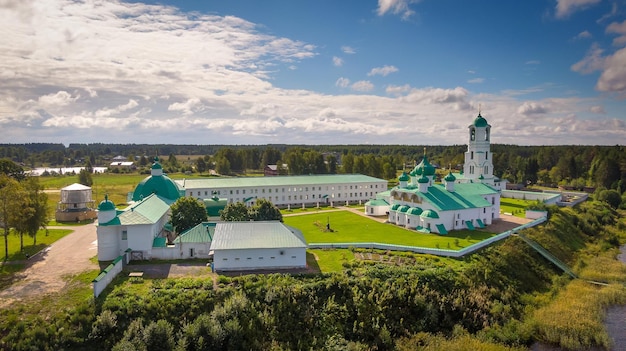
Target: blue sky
312	72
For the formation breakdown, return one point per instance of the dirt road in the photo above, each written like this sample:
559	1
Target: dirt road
46	272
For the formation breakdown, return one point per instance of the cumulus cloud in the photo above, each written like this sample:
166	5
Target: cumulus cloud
396	7
532	108
61	98
342	82
188	107
337	61
613	78
620	29
348	50
564	8
362	86
382	71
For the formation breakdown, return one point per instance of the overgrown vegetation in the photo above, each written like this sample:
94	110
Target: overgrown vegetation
503	298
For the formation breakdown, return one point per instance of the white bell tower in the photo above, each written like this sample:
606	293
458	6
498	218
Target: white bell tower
478	165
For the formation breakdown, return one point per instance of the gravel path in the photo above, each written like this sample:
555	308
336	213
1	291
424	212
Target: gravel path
46	272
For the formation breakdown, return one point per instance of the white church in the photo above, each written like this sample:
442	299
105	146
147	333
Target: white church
466	200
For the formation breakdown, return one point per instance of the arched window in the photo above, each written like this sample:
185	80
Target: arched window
487	134
472	134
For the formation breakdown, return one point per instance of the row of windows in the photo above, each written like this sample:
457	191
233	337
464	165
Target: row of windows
283	190
284	198
472	155
250	258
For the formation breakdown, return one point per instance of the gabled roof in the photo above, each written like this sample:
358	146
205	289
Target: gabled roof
256	235
147	211
76	186
202	233
280	181
465	195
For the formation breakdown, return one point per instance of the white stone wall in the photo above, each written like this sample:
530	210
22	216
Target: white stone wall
251	259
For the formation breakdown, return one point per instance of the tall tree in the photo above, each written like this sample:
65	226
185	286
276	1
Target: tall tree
187	212
37	201
84	178
200	165
264	210
235	212
11	203
11	169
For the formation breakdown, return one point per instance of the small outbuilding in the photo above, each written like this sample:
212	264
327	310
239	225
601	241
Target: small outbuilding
257	245
76	204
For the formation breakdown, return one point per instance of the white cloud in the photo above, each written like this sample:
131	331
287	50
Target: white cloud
564	8
337	61
188	107
396	7
597	109
533	62
583	35
613	77
397	90
61	98
348	50
620	29
115	71
592	61
532	108
476	80
382	71
342	82
362	85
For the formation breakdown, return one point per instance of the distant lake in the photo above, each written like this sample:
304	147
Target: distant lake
62	170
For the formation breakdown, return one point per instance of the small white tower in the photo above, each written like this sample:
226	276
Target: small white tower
478	158
106	210
449	181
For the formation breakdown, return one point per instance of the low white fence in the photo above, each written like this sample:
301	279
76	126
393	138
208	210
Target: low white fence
425	250
110	272
549	198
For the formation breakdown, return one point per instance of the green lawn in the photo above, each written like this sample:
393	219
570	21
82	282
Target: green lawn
329	260
29	248
515	206
352	228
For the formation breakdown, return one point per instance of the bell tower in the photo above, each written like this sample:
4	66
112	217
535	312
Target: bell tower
478	165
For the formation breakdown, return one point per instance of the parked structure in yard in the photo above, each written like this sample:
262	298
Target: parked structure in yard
76	204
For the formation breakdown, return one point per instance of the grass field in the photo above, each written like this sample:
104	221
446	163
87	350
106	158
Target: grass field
330	260
351	228
515	206
43	240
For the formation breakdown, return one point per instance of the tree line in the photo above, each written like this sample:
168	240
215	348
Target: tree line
578	166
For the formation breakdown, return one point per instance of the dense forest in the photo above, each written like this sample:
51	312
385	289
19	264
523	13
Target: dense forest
572	165
493	300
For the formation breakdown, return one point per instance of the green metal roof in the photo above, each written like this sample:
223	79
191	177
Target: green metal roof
214	205
106	204
147	211
423	180
404	177
429	214
278	181
256	235
465	195
415	211
395	207
161	185
377	202
480	121
159	242
202	233
450	177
